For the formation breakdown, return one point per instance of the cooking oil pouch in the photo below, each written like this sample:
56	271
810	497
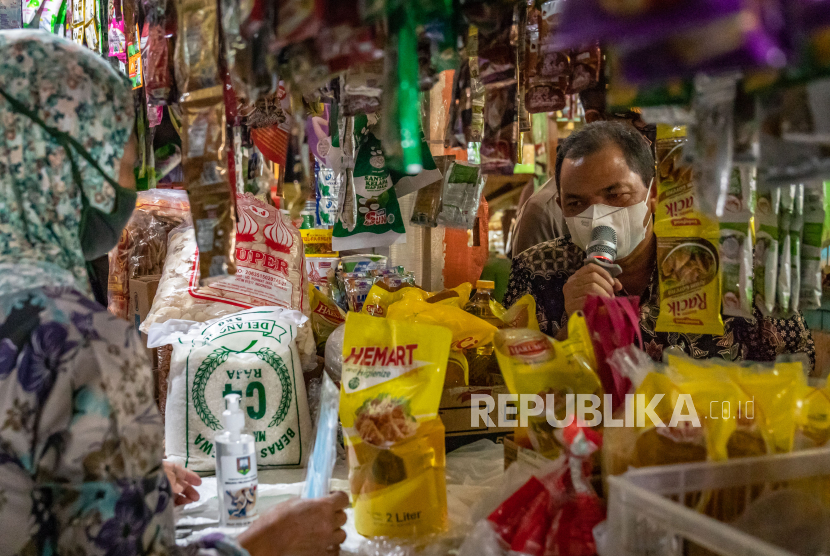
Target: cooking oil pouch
325	317
380	297
521	314
458	370
468	331
813	416
457	296
535	364
393	376
816	197
766	250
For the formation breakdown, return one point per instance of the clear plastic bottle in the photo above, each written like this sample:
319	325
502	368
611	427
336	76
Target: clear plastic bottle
484	369
236	469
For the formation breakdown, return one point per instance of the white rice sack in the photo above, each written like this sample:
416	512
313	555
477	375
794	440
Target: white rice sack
270	270
252	353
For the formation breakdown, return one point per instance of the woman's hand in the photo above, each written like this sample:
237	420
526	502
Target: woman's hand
182	482
299	528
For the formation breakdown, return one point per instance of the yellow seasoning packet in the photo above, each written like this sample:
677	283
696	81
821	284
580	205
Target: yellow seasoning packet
326	316
533	363
468	331
393	376
687	245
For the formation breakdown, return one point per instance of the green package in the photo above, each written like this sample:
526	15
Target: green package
766	250
796	227
785	217
815	212
378	221
736	244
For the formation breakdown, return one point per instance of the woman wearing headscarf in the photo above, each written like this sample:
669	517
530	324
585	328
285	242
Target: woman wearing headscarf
80	436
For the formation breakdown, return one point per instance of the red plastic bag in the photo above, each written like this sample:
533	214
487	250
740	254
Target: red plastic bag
614	322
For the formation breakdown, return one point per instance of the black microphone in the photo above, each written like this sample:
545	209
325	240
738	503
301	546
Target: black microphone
602	250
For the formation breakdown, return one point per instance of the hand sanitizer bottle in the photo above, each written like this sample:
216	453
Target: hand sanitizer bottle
236	477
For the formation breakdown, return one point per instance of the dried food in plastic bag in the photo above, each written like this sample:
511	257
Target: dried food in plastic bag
586	63
463	186
197	47
142	248
393	374
816	210
271	270
205	162
157	76
766	251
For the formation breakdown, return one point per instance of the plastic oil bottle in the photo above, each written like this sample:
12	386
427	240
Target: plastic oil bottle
484	369
236	474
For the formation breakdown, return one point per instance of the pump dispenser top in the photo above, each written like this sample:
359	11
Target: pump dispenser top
232	418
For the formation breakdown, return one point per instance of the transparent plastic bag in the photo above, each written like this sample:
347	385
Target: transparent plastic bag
324	454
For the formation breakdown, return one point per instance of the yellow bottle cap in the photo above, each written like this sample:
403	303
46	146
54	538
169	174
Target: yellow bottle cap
485	285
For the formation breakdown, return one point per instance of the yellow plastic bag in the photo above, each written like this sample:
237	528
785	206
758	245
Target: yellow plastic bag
533	363
468	331
393	376
325	317
458	296
812	417
380	298
521	315
687	245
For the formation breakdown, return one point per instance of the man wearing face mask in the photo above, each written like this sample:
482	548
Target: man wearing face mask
605	174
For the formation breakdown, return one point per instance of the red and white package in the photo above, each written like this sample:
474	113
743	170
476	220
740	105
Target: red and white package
270	270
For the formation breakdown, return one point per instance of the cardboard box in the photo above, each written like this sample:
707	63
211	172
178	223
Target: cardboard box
142	292
456	413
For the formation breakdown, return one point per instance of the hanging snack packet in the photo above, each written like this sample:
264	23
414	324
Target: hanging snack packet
197	47
687	239
468	331
535	364
253	353
816	198
475	131
548	72
362	89
766	251
736	245
785	218
325	317
393	374
378	221
463	186
428	201
327	191
205	162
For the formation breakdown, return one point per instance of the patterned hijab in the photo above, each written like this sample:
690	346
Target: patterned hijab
76	91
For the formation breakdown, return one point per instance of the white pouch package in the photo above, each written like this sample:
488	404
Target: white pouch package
252	353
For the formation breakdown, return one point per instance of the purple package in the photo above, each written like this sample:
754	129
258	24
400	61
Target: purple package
317	132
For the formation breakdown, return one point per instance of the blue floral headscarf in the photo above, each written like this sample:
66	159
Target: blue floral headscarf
76	91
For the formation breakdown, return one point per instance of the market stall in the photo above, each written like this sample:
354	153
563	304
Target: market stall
321	265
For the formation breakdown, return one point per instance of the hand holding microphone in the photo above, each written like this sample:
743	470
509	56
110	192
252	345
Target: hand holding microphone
597	278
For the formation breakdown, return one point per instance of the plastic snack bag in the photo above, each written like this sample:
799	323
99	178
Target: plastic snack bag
816	198
736	245
766	251
393	374
326	316
252	353
463	186
321	270
533	363
785	275
795	232
197	46
205	163
468	331
378	219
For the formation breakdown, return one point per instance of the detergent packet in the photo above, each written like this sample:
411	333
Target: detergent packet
766	251
393	375
535	364
468	331
325	317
